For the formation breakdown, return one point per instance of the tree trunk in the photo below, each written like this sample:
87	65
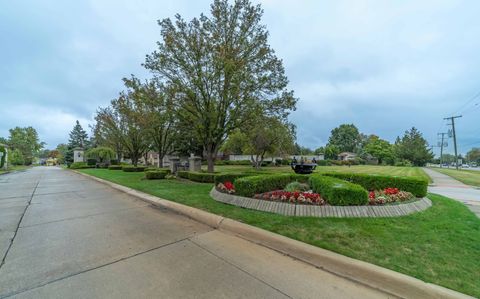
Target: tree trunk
210	163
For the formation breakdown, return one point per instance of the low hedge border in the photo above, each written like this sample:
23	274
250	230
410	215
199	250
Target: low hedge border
131	168
201	177
230	177
80	165
115	167
251	185
415	185
156	174
338	192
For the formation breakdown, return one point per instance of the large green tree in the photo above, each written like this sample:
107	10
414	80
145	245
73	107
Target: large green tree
269	135
122	123
221	71
473	155
26	141
413	147
158	121
380	149
346	138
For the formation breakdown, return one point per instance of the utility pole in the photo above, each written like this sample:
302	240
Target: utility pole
441	149
452	119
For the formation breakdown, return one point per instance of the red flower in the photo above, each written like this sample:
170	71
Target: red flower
229	185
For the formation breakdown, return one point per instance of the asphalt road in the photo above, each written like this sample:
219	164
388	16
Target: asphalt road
65	236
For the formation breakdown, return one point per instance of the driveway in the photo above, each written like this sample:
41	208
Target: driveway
450	187
65	236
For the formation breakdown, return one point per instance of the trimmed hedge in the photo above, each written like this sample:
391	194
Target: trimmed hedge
131	168
201	177
251	185
415	185
230	177
155	174
115	167
80	165
338	192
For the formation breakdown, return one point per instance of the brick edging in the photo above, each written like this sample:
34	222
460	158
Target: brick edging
288	209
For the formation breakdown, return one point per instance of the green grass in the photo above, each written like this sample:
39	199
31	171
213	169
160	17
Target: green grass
372	169
469	177
440	245
13	168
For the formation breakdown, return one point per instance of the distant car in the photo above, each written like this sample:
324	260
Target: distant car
465	166
474	165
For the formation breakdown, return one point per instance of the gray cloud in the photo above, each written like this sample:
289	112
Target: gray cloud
383	65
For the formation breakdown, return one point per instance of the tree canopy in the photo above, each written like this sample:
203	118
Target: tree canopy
413	147
220	71
78	137
346	138
25	143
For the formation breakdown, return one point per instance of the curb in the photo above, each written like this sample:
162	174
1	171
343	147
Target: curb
299	210
373	276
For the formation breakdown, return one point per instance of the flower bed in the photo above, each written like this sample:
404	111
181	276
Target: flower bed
388	195
309	198
317	190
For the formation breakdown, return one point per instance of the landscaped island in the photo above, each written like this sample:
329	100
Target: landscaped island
438	245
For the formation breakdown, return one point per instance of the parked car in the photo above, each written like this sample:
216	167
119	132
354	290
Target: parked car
465	166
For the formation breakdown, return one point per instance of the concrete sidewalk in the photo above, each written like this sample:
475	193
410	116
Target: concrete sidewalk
65	236
450	187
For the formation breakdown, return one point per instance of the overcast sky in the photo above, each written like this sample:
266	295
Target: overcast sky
383	65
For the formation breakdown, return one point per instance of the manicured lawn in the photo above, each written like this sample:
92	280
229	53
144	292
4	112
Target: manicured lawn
373	169
469	177
440	245
12	168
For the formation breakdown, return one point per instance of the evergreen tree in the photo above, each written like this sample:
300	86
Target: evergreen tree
413	147
78	137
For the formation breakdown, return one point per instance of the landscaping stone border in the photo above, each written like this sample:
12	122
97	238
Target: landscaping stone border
288	209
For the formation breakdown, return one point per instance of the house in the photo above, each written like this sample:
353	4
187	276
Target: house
347	156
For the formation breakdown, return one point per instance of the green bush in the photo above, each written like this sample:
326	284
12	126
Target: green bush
415	185
155	174
91	162
131	168
323	163
296	187
115	167
251	185
80	165
230	177
4	154
202	177
338	192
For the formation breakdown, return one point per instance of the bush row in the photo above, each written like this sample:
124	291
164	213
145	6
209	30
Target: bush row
251	185
131	168
415	185
230	177
202	177
337	191
156	174
115	167
80	165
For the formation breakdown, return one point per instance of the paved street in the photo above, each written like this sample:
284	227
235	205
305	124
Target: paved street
65	236
449	187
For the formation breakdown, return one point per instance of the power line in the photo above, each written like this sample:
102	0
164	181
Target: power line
468	102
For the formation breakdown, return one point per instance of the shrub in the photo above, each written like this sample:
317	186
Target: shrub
115	167
202	177
155	174
4	154
297	187
339	192
131	168
230	177
80	165
91	162
114	162
323	163
415	185
251	185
